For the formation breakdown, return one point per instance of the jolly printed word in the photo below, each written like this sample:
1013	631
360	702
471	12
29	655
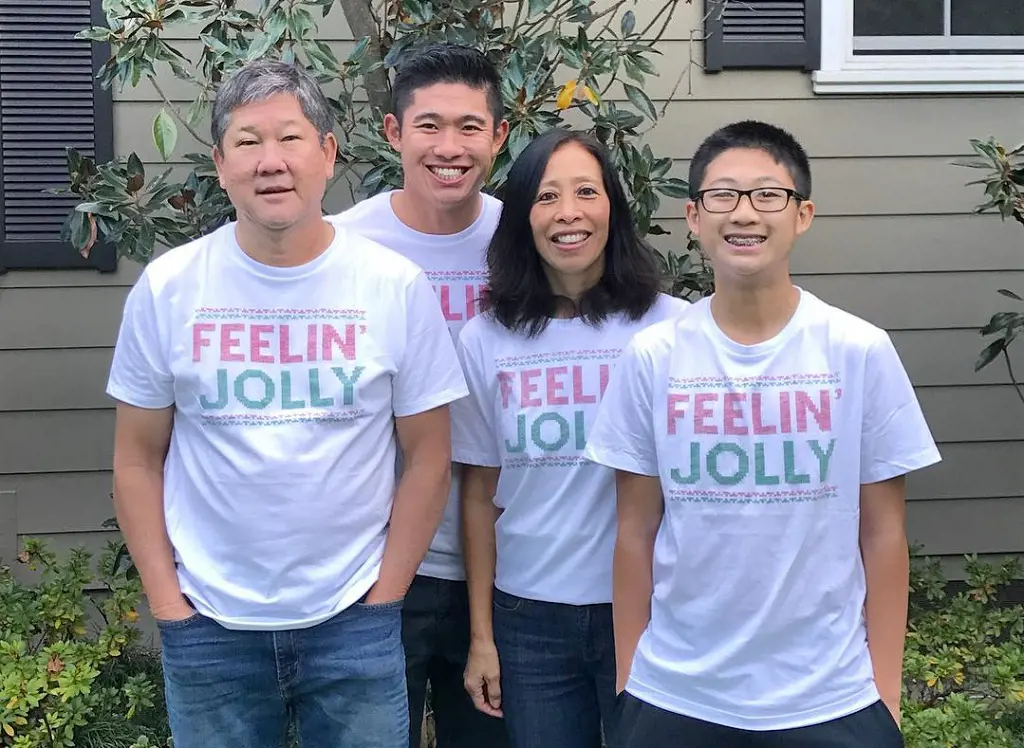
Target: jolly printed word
255	389
729	464
756	413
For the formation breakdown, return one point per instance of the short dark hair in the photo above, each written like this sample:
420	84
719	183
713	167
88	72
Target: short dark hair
774	141
446	63
519	295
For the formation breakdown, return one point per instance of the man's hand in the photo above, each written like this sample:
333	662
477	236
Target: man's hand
892	703
178	610
379	596
482	679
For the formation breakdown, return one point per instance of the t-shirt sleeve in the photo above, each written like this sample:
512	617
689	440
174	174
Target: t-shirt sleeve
140	374
895	438
474	425
428	374
623	433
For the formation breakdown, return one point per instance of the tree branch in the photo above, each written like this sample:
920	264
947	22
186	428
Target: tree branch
1017	386
177	113
363	25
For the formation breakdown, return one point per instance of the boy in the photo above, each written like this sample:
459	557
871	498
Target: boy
447	124
761	441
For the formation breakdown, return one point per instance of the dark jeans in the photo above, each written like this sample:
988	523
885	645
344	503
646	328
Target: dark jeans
642	725
557	671
342	682
435	631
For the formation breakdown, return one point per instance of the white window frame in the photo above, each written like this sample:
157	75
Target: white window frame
843	72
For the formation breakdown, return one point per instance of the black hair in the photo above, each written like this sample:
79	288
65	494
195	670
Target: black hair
519	295
774	141
446	63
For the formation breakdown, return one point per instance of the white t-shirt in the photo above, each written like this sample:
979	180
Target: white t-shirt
456	266
756	616
286	382
532	402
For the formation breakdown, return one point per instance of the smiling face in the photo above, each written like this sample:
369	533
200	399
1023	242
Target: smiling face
745	243
272	164
448	140
570	218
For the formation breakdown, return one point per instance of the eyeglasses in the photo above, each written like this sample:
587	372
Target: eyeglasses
763	199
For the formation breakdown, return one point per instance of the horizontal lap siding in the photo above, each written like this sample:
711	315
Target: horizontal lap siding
894	241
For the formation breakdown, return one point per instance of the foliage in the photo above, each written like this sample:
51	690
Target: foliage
964	661
70	670
564	63
1004	192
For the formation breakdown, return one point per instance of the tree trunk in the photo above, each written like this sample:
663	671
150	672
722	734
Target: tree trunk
360	19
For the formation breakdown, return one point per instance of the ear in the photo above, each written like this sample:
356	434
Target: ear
500	134
693	217
804	216
393	131
330	149
218	161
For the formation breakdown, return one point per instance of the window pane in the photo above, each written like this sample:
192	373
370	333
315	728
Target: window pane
988	17
902	18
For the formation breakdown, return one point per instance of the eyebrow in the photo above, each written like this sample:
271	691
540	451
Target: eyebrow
760	182
435	117
575	180
254	130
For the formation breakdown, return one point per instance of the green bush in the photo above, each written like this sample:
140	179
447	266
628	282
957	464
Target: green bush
964	661
72	672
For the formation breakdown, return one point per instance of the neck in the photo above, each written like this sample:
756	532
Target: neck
419	216
752	314
292	247
571	287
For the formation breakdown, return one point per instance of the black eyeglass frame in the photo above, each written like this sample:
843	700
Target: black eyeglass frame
791	195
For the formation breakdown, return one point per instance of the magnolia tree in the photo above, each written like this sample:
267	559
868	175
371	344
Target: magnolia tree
564	62
1004	192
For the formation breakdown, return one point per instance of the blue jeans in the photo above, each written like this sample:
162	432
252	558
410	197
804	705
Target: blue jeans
557	672
435	631
341	682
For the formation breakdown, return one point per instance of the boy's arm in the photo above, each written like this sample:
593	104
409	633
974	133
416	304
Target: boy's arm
640	509
883	544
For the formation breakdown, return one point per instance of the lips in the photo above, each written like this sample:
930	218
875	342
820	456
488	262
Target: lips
273	190
569	238
449	173
745	241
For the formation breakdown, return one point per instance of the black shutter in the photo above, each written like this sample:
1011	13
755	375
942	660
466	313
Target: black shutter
49	99
762	34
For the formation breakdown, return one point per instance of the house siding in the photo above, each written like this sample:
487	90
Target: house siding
895	242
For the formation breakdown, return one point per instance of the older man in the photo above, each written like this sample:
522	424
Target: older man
266	375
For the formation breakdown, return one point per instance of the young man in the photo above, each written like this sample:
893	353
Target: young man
448	126
264	374
761	442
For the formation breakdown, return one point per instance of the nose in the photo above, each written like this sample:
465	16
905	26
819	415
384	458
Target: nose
448	146
568	209
744	212
271	160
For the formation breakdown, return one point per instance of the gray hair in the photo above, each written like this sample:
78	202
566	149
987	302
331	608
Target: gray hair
258	81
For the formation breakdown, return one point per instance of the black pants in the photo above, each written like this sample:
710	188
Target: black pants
435	632
642	725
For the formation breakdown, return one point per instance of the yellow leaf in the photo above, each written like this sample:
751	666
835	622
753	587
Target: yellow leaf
931	682
8	729
591	95
565	95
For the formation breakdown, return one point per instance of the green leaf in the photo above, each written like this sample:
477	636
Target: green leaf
673	188
641	101
1010	294
135	167
628	22
537	6
989	354
165	134
259	47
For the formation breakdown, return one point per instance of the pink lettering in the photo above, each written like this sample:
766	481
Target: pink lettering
198	341
257	344
528	388
446	304
505	385
578	396
555	385
311	343
733	424
760	428
785	415
229	343
675	413
287	357
605	370
346	345
822	412
703	413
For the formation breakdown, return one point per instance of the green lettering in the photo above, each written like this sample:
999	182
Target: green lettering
349	382
222	393
792	477
824	458
286	393
742	464
694	475
315	400
760	479
268	389
563	432
520	446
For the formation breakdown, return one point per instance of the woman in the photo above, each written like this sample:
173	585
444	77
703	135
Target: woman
570	282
